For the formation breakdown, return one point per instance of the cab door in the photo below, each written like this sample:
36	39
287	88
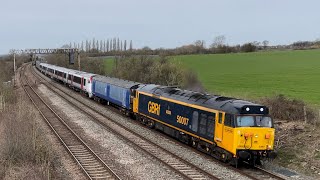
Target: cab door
135	101
219	127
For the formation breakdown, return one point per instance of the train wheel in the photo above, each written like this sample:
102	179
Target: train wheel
194	143
151	124
208	150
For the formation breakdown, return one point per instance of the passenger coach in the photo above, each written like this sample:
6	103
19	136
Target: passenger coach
116	91
78	80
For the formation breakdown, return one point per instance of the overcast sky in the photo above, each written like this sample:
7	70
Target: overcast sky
162	23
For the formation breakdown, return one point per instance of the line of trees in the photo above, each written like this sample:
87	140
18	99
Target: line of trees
115	46
102	46
219	46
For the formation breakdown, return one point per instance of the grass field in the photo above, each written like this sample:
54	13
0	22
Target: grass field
253	75
108	63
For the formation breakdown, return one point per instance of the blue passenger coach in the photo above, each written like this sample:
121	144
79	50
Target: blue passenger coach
113	90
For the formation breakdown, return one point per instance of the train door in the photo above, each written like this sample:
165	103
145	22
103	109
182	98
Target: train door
135	101
219	127
82	83
68	78
228	132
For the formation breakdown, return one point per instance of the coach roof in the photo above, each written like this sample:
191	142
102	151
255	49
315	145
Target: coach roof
115	81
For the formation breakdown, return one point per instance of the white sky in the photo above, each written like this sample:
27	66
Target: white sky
165	23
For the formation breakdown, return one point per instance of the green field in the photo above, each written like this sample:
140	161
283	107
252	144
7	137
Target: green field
108	63
253	75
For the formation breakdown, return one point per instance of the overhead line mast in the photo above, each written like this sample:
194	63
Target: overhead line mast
69	51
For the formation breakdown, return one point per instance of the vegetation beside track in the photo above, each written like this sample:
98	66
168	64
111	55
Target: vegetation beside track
24	149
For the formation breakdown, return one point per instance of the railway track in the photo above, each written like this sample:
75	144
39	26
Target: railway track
256	173
177	164
260	173
90	163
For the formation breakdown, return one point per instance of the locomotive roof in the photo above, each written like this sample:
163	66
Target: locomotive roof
116	81
222	103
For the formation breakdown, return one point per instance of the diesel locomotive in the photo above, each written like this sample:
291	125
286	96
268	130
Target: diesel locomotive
229	129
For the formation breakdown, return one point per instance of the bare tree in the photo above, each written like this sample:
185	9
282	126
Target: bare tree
107	45
199	45
130	47
93	43
97	45
125	45
265	44
101	46
218	41
118	44
115	44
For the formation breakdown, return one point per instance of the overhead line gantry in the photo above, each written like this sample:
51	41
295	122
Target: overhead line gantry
69	51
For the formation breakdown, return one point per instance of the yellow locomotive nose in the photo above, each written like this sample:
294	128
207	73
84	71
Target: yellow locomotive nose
255	138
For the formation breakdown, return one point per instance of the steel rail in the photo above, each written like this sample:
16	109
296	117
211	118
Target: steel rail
79	154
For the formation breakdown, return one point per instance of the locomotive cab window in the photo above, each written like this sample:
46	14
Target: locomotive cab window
263	121
254	121
229	120
220	118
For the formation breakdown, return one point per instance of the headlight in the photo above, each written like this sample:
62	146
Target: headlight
267	136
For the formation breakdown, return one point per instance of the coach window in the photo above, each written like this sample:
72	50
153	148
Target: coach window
210	126
77	79
195	119
203	124
84	82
